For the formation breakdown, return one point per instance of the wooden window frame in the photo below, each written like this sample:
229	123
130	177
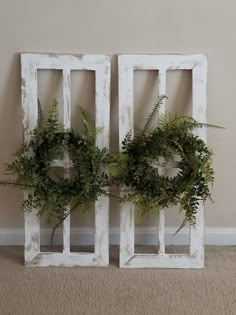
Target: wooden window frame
30	64
163	63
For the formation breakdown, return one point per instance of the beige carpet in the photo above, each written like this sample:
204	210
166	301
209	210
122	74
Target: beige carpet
108	291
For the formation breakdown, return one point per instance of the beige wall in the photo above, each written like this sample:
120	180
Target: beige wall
124	26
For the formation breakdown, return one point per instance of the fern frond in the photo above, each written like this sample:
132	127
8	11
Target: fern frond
186	122
162	120
89	124
40	115
180	228
53	110
118	165
52	124
127	138
15	184
153	113
210	126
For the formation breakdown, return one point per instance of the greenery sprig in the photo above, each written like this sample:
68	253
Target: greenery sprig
48	190
91	170
139	167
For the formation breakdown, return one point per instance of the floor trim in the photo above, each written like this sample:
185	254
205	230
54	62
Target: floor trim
143	236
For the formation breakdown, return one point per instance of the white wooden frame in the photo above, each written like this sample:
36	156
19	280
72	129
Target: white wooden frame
127	64
101	65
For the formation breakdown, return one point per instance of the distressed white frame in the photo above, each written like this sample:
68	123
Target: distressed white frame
127	64
30	63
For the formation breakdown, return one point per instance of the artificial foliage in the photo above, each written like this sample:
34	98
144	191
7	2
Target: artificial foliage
48	190
139	170
141	164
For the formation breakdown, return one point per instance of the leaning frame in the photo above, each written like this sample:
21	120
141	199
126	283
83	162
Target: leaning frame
127	64
30	63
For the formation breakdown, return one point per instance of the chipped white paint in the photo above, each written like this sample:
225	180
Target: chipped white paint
30	63
67	260
66	161
162	110
127	64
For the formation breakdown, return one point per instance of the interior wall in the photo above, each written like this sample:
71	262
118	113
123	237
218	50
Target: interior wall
113	27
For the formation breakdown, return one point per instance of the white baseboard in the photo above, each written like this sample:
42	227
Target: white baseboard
143	236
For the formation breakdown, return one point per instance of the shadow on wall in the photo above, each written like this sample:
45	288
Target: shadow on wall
11	137
179	91
82	96
49	84
10	109
114	137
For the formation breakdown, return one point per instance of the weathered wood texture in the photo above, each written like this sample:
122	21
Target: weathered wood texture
127	64
30	63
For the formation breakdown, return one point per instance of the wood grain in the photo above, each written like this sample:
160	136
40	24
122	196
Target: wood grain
127	64
102	66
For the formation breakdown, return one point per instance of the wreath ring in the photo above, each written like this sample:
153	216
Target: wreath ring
34	166
87	180
151	190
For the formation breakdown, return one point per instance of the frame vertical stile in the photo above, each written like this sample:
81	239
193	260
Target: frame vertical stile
101	65
127	63
199	113
66	162
29	105
162	110
126	124
102	114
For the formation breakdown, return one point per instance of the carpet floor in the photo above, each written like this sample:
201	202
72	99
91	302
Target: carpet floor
108	291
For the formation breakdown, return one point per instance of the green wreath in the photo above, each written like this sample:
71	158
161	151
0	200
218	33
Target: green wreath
138	166
48	190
